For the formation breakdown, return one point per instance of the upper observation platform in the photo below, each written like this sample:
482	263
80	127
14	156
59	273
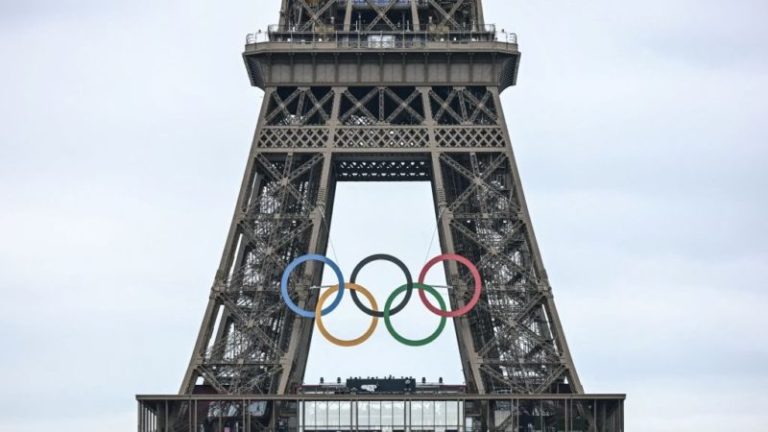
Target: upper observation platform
287	55
382	42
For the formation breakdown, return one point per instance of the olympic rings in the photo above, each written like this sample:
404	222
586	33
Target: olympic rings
287	273
475	275
409	342
341	342
408	279
388	311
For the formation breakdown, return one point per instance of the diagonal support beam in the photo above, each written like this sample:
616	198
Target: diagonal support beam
447	17
315	14
381	14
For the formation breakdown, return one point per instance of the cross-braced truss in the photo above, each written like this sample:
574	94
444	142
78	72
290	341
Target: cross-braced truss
248	349
463	106
381	9
311	15
454	14
514	329
365	106
299	106
381	117
381	15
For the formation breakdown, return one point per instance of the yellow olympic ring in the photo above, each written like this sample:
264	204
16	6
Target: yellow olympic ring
341	342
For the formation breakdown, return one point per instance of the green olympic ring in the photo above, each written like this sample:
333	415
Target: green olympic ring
403	340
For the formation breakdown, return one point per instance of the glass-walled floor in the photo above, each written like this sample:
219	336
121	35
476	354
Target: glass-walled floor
308	413
382	416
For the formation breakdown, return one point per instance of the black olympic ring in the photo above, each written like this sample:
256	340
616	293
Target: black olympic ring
408	280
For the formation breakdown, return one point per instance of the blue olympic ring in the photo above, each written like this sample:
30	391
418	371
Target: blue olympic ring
287	273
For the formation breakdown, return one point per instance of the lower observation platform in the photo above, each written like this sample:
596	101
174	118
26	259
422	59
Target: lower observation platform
382	413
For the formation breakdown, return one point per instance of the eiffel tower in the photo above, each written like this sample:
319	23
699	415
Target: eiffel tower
381	90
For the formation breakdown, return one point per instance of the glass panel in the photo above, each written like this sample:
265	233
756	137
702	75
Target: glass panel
539	416
580	413
528	419
287	412
309	413
386	414
375	414
345	413
452	413
428	414
258	414
440	414
321	419
334	416
554	415
236	422
398	414
608	416
362	414
416	414
503	415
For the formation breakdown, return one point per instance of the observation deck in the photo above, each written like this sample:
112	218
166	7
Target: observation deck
328	56
382	412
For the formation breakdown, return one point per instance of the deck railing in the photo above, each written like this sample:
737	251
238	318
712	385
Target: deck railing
379	39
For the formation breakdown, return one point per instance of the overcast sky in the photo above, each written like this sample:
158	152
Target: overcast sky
639	128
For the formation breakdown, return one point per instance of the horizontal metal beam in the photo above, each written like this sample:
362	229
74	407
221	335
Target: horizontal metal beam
380	397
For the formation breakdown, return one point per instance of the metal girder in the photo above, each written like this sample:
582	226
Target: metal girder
403	105
303	112
359	105
381	14
447	16
445	106
312	15
315	13
470	107
388	109
508	332
252	347
282	105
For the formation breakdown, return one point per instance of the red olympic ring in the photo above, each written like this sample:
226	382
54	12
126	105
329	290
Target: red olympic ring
475	275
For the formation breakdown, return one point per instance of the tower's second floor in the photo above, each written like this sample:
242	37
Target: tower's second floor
382	42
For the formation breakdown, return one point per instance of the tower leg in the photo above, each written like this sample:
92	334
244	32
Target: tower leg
283	213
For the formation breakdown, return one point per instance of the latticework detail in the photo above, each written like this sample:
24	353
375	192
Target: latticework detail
512	328
463	106
381	15
470	137
309	15
453	15
365	106
375	137
297	106
247	352
293	137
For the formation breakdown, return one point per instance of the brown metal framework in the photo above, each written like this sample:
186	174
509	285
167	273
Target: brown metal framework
378	90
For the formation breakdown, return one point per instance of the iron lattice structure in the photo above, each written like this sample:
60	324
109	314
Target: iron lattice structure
378	90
